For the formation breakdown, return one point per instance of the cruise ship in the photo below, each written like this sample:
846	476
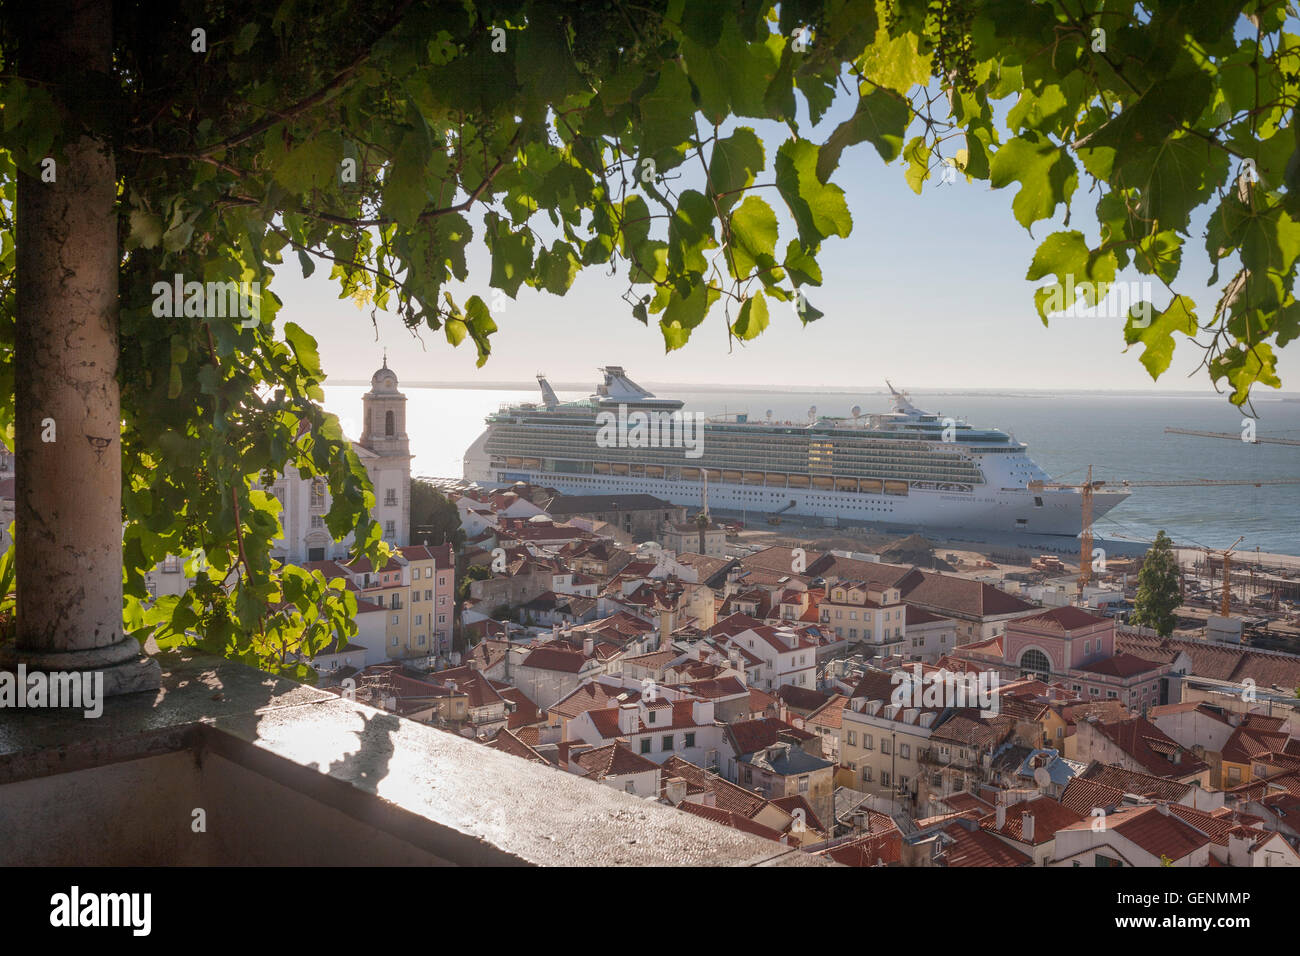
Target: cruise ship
904	467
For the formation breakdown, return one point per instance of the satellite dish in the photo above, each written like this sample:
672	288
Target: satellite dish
1042	777
856	411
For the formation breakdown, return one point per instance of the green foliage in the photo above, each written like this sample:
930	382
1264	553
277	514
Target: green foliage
433	517
475	572
1159	594
566	136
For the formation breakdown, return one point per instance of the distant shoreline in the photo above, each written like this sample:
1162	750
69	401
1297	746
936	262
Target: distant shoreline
824	390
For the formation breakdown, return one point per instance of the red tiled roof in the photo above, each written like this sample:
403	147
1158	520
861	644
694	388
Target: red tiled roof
750	736
613	760
1049	816
1067	618
1121	665
729	819
829	715
1083	796
1141	784
554	659
1150	746
1162	834
979	848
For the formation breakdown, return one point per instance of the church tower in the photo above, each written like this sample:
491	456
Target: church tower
383	435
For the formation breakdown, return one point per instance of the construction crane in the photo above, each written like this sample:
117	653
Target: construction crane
1234	436
1225	605
1088	488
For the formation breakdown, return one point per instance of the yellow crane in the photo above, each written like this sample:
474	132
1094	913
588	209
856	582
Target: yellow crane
1089	487
1225	605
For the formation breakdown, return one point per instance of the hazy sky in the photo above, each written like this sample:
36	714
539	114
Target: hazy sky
928	291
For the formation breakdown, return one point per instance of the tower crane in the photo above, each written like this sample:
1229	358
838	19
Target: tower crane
1089	487
1226	554
1234	436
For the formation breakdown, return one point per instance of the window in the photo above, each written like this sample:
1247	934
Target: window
1034	663
317	499
853	738
905	751
886	745
390	529
689	741
866	774
803	784
390	496
420	641
884	778
390	428
415	574
867	742
395	620
419	619
317	521
428	594
171	564
653	717
645	745
666	743
394	636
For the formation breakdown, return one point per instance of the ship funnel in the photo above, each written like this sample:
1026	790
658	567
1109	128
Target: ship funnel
549	398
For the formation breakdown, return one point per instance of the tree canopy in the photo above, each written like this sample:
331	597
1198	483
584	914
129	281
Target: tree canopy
378	140
1159	592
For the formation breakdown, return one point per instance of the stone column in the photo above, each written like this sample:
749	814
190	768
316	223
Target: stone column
68	521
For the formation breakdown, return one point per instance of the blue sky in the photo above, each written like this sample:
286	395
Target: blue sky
928	291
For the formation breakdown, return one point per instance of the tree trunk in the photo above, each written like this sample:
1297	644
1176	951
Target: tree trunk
68	468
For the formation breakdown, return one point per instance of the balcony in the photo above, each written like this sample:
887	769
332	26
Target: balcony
287	774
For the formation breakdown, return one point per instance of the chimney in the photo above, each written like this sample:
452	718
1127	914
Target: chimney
675	790
1002	815
472	663
1027	826
629	717
588	646
1163	809
702	711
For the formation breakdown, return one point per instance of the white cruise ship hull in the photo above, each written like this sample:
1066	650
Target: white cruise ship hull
1048	512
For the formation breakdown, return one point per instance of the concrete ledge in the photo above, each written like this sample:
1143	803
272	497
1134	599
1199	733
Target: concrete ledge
289	774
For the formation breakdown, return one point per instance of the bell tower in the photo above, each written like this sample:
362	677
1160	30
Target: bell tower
384	408
383	435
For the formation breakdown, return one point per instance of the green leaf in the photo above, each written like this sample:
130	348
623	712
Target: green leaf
754	235
684	313
753	318
667	115
881	119
1081	274
1157	336
818	208
1045	172
733	165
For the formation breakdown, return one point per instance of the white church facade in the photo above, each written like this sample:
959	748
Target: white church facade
385	451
